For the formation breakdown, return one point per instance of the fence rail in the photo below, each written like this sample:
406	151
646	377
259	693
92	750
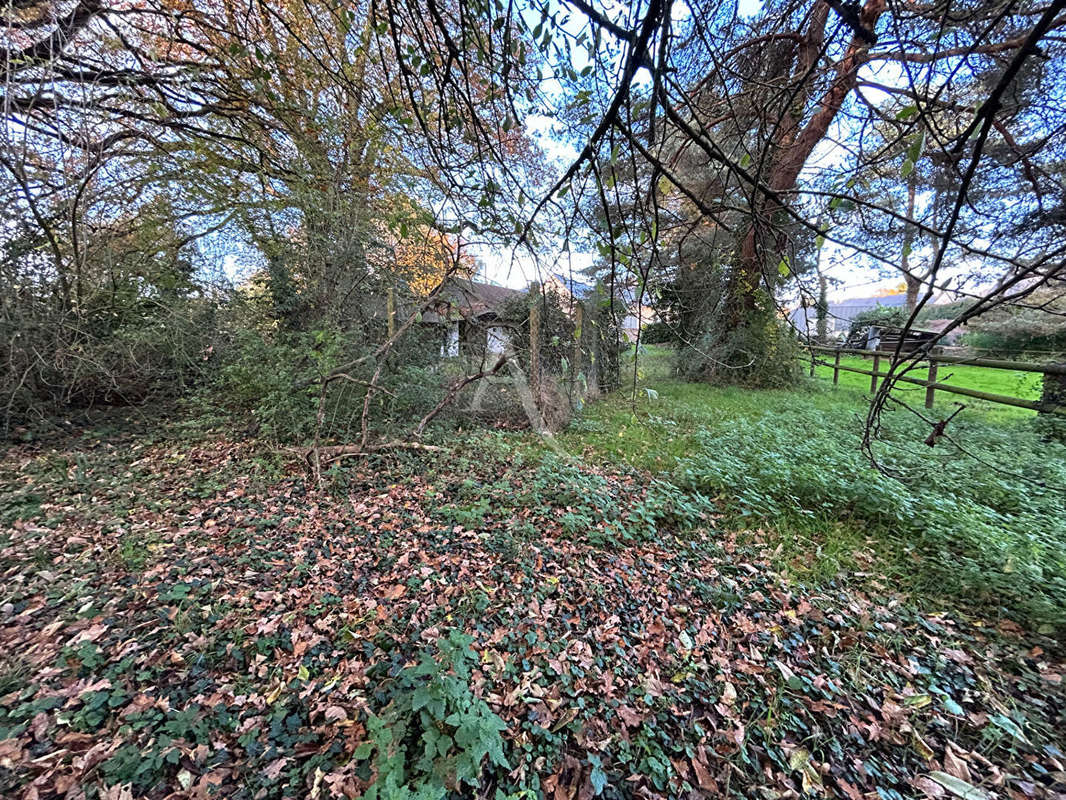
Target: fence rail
1052	401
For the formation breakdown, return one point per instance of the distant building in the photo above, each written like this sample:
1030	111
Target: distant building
634	316
569	287
472	317
840	316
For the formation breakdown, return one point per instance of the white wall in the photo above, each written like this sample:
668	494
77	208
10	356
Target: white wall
496	339
450	348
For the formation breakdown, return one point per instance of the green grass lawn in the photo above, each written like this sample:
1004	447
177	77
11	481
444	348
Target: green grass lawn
1010	383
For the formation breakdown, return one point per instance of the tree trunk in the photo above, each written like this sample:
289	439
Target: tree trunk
914	286
794	146
913	282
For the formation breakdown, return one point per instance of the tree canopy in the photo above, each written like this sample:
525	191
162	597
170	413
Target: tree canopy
716	147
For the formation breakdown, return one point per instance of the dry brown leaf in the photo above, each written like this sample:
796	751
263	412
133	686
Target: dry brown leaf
336	714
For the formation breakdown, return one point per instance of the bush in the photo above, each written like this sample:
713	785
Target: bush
882	316
1010	332
57	360
255	379
761	353
658	333
124	318
273	380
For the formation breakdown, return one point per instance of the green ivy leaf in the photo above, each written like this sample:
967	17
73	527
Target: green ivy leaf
598	778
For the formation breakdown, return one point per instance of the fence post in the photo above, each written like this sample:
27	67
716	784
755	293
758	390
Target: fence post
873	378
390	311
579	321
595	368
929	390
534	337
836	368
1053	394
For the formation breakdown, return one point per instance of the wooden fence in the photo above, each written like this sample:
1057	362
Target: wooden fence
1052	400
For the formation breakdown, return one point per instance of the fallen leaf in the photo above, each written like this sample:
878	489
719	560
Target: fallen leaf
958	787
274	768
729	693
336	714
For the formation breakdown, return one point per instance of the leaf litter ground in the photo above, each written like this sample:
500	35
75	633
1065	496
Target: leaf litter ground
188	619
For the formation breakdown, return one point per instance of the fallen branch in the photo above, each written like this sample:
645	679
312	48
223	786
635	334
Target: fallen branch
456	387
335	452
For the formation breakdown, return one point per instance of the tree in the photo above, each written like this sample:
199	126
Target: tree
282	127
822	310
762	101
1011	331
426	256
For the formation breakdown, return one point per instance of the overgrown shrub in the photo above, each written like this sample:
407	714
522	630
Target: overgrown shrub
256	376
1012	331
883	316
760	353
55	360
658	332
273	379
120	316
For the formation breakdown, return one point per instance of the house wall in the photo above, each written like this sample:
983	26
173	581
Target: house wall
497	338
636	320
477	337
450	347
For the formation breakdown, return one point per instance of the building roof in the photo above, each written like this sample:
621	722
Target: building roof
480	297
472	299
888	301
844	311
576	288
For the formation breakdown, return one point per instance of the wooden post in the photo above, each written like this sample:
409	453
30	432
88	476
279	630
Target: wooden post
522	386
534	337
812	362
873	378
595	369
836	368
579	320
1054	393
390	310
929	390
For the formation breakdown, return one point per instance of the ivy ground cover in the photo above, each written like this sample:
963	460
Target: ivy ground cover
187	619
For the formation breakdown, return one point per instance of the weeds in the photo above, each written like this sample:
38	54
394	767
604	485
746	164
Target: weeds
434	735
